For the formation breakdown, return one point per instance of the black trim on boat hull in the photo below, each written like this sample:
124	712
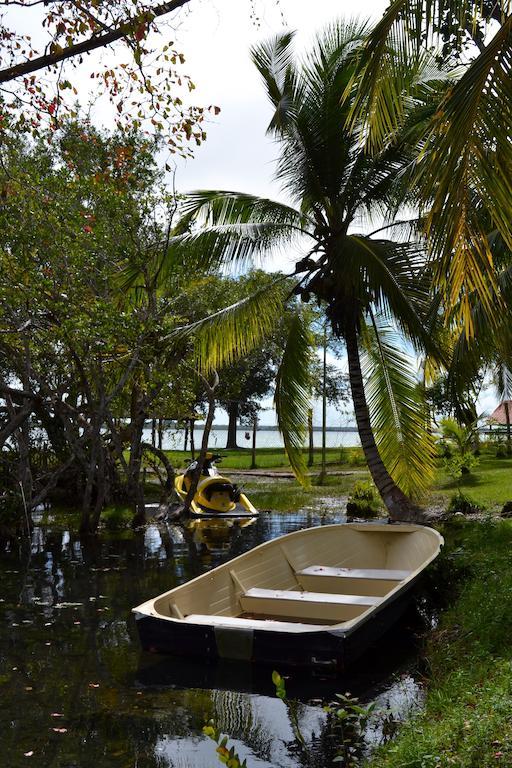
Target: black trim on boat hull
327	648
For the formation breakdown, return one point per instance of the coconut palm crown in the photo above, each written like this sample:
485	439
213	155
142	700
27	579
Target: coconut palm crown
375	291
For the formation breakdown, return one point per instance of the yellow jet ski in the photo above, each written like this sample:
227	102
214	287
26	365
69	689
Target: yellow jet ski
216	496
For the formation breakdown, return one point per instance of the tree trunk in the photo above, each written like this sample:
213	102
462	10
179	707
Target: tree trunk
210	392
192	445
254	430
169	470
311	447
185	442
101	487
321	479
86	523
232	424
399	506
160	433
134	485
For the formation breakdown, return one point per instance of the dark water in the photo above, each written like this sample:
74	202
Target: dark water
75	689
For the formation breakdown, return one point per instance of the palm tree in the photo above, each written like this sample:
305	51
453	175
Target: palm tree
375	291
465	167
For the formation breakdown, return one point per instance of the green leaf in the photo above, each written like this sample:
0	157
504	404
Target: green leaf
235	331
293	392
397	410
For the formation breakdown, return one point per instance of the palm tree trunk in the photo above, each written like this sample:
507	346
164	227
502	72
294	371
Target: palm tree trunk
322	476
399	506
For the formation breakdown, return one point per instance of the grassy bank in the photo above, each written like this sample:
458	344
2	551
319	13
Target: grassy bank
467	718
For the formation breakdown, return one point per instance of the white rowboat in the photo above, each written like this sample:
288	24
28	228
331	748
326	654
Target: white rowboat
315	596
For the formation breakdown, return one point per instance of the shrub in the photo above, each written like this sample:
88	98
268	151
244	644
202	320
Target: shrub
355	457
444	450
363	501
117	518
460	503
461	464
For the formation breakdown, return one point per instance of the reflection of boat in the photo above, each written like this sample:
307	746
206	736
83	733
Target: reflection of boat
217	534
216	496
313	597
395	652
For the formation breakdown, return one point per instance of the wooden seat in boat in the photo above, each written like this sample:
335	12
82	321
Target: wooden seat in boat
321	606
359	581
236	621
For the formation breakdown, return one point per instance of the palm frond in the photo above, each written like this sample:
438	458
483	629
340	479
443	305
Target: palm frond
273	60
382	80
467	169
490	342
397	410
220	230
292	394
466	161
504	382
233	332
222	207
395	280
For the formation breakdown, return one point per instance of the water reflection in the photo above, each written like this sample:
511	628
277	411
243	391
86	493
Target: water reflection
75	689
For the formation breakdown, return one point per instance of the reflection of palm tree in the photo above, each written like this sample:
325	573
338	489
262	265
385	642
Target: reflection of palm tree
234	714
369	286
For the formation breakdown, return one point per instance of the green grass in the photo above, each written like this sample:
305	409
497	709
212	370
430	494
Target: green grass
467	718
489	485
288	496
273	458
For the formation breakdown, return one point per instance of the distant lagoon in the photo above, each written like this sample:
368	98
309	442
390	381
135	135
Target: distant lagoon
266	437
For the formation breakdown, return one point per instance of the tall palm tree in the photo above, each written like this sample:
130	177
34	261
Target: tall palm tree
375	291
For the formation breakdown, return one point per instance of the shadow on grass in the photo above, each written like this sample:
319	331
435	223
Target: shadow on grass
468	481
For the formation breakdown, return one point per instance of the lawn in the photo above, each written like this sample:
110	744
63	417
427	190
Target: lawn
273	458
489	485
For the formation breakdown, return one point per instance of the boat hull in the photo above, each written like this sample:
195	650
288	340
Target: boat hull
322	649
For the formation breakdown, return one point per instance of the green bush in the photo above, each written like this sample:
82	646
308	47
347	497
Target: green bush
461	464
459	502
355	457
443	449
363	501
344	455
116	518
